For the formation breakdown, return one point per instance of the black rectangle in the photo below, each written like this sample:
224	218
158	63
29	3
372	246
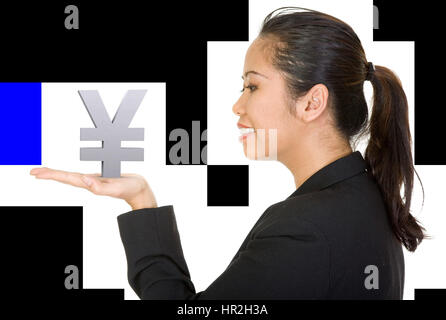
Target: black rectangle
430	294
228	185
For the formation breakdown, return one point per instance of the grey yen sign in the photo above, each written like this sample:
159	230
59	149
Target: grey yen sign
112	132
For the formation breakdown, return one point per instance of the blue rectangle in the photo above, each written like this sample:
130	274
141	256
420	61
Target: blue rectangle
21	123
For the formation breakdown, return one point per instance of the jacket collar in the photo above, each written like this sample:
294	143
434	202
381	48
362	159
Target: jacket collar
340	169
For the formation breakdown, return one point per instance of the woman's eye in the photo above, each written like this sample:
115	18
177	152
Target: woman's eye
252	88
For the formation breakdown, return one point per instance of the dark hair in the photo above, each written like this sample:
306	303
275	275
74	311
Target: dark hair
310	47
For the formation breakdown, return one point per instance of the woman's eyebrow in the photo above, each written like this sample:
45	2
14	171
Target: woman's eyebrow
254	72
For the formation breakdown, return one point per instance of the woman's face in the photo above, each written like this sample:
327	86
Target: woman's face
263	106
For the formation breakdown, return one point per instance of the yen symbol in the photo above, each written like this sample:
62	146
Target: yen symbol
112	132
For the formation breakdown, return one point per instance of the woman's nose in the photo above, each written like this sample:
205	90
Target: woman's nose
236	108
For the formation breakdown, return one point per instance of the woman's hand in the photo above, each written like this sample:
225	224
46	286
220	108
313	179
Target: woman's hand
132	188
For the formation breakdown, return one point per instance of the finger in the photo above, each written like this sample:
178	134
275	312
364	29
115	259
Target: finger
45	170
92	181
71	178
37	170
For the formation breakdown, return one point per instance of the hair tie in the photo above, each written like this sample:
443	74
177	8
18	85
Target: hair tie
370	71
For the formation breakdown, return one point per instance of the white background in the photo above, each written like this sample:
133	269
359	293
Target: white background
210	236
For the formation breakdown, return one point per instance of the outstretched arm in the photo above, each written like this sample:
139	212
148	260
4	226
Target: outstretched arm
288	259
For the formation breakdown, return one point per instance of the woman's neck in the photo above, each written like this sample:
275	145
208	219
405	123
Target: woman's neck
304	164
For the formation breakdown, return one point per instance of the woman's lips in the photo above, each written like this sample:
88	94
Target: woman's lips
241	125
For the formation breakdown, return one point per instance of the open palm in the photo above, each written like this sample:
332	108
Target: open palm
132	188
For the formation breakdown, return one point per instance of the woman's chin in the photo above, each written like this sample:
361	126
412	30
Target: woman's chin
249	149
252	154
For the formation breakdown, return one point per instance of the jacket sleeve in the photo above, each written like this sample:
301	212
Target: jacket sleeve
285	259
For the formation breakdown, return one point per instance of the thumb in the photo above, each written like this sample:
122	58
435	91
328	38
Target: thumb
90	182
87	180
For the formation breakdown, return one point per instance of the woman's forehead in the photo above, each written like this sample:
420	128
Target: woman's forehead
256	60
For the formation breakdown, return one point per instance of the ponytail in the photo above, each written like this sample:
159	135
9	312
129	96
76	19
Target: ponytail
389	156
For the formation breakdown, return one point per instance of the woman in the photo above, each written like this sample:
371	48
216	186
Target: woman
340	234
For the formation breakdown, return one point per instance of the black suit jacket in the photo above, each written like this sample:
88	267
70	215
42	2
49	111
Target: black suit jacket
330	239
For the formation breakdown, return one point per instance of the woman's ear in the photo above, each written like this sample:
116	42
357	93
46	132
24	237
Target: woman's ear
315	102
318	96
